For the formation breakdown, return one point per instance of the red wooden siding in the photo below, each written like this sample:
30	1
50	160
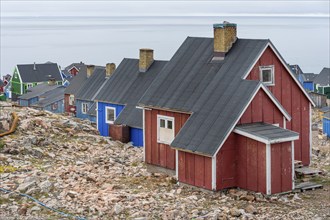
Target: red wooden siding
281	167
157	153
262	109
292	99
74	71
226	164
195	170
251	164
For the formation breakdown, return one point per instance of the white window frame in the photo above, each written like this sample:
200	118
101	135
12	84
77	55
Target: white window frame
55	106
166	118
84	110
272	71
106	114
29	85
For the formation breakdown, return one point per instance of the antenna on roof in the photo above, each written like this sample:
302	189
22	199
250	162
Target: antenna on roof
34	66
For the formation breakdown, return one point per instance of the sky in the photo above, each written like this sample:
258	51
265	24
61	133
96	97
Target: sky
38	20
163	8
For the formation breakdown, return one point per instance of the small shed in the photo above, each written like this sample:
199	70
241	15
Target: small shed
319	99
326	124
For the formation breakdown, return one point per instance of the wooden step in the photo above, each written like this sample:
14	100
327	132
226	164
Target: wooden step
307	172
302	187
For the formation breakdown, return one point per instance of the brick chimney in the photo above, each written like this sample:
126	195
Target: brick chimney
109	69
146	59
225	35
90	70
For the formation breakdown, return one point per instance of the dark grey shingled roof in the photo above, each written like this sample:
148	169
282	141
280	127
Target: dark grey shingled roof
309	77
214	92
323	78
93	85
50	97
41	73
77	82
126	86
268	132
38	90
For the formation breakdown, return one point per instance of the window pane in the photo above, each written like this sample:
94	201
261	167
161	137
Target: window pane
267	75
110	114
162	123
169	124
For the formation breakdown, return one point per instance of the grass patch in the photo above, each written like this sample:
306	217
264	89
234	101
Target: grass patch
321	180
2	144
7	169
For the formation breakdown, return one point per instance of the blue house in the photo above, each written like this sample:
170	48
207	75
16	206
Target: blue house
326	124
33	94
96	79
52	100
117	115
307	81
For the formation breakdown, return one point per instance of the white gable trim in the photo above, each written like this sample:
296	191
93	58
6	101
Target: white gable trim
285	114
269	44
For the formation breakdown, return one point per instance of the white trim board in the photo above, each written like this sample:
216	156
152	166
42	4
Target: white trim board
214	173
292	158
272	47
268	170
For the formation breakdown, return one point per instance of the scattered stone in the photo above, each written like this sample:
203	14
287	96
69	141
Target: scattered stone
235	212
251	209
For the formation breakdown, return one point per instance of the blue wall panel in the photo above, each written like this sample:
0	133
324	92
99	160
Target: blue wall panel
326	126
60	107
136	135
309	86
79	113
102	126
23	102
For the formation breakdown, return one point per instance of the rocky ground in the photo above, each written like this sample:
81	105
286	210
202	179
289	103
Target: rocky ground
66	165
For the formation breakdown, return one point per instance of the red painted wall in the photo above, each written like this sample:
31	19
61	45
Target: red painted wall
251	164
156	153
281	167
292	99
229	171
195	170
74	71
262	109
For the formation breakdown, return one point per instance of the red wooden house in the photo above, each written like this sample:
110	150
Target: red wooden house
227	112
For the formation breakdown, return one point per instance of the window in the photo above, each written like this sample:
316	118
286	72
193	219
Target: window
110	115
54	106
71	100
165	131
84	108
267	75
29	85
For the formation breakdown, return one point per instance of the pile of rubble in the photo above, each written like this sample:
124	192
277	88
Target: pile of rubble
63	163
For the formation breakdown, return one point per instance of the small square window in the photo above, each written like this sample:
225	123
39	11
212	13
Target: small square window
110	114
165	130
267	75
162	123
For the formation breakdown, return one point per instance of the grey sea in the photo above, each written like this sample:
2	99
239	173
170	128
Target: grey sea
102	39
